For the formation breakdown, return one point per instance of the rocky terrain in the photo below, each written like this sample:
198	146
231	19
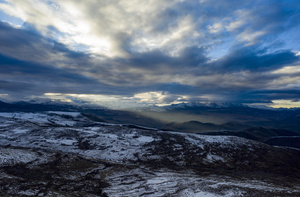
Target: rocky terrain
67	154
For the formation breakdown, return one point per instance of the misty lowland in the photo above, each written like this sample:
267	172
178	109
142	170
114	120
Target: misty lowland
213	150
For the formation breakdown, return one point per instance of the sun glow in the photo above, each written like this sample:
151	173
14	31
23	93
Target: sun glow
288	70
96	44
66	19
285	104
79	31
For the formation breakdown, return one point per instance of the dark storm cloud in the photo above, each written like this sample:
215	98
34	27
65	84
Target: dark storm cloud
290	94
11	86
27	44
20	69
117	78
251	59
20	43
158	60
162	46
27	77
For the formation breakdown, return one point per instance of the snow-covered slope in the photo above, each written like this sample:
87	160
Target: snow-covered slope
51	117
9	157
141	161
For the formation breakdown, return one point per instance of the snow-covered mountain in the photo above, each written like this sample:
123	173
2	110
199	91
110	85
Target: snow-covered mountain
67	154
205	105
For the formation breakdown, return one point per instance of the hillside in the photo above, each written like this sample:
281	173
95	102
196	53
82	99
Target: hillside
66	153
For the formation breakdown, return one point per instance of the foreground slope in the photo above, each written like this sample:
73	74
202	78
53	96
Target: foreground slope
41	151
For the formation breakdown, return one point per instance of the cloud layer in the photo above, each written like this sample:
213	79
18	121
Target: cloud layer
155	52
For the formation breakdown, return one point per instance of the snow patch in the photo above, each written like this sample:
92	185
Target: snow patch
20	130
73	114
145	139
157	180
212	158
62	142
15	156
42	118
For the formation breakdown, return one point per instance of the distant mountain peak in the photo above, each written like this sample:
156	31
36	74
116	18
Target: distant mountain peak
206	105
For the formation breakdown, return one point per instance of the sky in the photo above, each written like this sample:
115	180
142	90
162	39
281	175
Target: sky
121	53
